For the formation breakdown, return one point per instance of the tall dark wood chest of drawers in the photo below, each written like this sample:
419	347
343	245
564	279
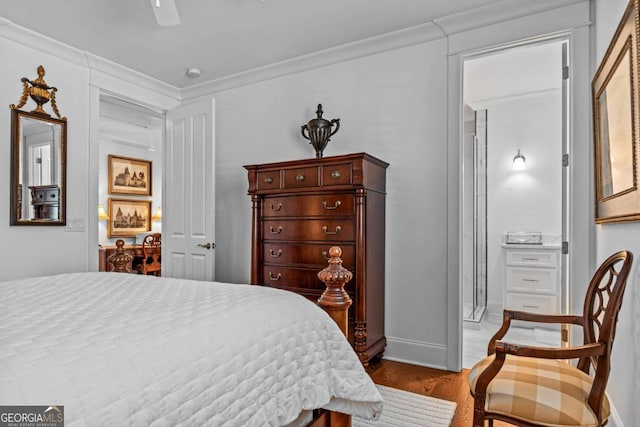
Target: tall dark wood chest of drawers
302	208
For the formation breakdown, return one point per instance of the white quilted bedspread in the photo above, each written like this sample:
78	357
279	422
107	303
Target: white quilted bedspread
126	350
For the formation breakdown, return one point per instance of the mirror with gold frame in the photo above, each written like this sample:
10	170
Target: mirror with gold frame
38	158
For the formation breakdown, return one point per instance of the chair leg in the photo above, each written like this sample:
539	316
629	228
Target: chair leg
478	413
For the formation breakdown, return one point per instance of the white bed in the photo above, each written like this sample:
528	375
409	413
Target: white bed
131	350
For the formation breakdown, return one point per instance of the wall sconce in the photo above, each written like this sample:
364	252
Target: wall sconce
158	215
518	162
102	214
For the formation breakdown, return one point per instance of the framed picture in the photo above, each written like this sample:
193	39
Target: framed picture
616	125
128	217
129	176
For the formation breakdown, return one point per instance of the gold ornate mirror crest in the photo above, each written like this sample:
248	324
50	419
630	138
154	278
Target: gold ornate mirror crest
38	157
40	92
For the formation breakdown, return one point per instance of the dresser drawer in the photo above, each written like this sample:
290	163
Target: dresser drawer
307	254
296	278
303	177
330	230
43	195
317	205
543	304
268	180
337	174
538	280
533	258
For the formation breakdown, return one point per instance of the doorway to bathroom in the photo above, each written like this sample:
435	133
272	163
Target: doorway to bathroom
514	183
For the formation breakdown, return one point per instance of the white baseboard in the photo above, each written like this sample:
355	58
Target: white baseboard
614	418
416	353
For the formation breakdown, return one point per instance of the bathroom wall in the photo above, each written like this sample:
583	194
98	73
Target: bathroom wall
529	200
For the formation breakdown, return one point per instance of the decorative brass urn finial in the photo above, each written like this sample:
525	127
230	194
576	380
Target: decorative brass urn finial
319	131
40	92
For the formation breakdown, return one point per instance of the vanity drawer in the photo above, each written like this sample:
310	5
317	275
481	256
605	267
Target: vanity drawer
538	280
542	304
317	205
533	258
307	254
303	177
330	230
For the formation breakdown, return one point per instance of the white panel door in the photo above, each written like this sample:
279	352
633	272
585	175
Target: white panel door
188	203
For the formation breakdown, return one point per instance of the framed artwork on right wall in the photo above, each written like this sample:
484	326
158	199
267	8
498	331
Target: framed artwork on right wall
616	125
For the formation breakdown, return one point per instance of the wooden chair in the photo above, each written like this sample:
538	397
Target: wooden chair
534	386
150	263
120	259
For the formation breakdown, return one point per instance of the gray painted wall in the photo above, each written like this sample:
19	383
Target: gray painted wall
624	383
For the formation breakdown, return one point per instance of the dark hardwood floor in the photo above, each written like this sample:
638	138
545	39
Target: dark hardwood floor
452	386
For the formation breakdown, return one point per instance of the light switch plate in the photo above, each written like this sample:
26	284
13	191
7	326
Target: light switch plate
75	224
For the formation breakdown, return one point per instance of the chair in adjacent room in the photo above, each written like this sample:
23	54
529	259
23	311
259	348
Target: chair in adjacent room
536	386
150	262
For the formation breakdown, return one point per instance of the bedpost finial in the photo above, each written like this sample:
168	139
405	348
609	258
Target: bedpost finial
335	300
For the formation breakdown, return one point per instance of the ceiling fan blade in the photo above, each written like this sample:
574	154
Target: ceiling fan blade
165	12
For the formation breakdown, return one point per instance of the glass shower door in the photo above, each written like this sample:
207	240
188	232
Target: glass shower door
475	281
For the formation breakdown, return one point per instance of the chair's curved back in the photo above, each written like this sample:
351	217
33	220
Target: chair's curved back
601	307
151	252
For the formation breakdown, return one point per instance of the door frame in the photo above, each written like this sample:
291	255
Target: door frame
139	95
580	208
561	43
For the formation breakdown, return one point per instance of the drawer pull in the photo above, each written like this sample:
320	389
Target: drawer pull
276	208
325	255
530	259
268	180
274	230
300	178
530	306
335	174
530	280
330	208
274	278
275	254
325	229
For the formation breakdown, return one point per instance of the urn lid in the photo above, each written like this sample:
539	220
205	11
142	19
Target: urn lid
318	121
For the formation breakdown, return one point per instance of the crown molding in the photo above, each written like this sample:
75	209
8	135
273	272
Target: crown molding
503	10
366	47
481	103
34	40
162	93
500	11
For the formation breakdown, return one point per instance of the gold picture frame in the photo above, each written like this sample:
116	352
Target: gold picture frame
128	217
616	124
129	176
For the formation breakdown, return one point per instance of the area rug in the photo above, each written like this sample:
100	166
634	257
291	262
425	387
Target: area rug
405	409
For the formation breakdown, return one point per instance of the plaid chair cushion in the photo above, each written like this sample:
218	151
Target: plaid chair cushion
545	391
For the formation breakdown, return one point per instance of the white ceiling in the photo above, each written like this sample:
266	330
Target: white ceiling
221	37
